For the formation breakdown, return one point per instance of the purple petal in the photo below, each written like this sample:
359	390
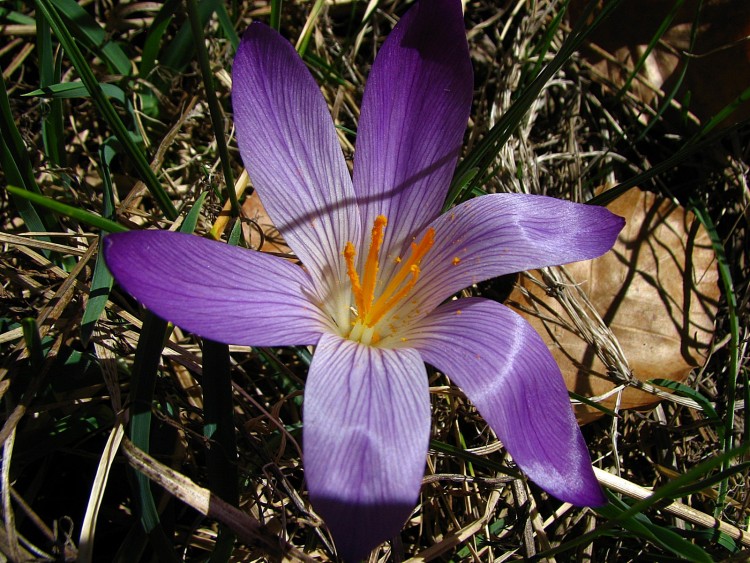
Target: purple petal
290	149
228	294
504	367
499	234
366	431
414	113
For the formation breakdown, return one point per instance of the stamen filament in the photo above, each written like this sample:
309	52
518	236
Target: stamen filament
371	311
383	306
372	264
351	271
417	253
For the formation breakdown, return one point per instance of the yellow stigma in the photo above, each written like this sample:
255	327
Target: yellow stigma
369	309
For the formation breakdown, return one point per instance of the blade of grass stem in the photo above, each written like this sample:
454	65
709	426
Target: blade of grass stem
543	47
50	73
60	208
179	52
18	170
145	368
678	157
103	471
484	154
101	285
12	137
250	530
101	279
152	45
663	26
105	107
191	219
23	205
225	22
704	486
686	391
132	546
16	17
680	76
671	490
304	36
217	116
275	20
77	89
473	458
235	234
593	404
643	527
33	343
219	429
725	275
325	73
88	32
725	112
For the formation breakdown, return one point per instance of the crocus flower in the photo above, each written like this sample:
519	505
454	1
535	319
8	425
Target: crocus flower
379	266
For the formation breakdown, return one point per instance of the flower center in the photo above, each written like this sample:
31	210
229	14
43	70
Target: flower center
371	309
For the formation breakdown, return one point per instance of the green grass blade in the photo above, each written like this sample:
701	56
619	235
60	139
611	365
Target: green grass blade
77	89
677	158
16	165
275	21
105	107
88	32
665	538
217	116
593	404
101	279
679	80
20	163
663	27
60	208
191	219
235	234
152	45
218	427
477	460
540	51
725	275
304	38
33	343
225	22
483	155
709	482
672	489
49	73
725	112
11	16
685	391
634	513
145	367
101	285
179	52
325	73
23	205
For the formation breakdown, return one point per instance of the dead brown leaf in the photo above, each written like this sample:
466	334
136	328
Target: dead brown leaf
657	290
258	229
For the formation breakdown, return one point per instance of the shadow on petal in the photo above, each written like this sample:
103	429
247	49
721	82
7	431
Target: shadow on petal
358	529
